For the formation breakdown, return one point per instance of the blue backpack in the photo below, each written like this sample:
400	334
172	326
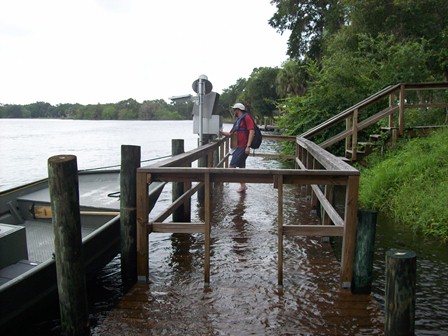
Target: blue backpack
258	137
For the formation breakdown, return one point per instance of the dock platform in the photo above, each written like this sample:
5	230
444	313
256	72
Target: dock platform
243	297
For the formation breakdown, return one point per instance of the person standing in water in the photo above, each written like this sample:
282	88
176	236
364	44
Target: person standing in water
244	129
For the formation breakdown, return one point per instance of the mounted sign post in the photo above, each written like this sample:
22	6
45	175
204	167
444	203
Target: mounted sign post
203	121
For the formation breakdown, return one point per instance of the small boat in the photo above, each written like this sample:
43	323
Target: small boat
27	266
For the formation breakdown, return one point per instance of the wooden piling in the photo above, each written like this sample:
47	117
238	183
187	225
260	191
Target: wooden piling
278	183
64	195
400	293
130	161
177	147
364	252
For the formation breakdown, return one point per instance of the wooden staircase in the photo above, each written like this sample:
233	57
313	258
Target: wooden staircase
397	99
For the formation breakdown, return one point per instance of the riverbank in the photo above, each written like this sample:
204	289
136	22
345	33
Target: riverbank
410	184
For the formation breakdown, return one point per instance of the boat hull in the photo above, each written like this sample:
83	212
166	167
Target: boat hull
35	285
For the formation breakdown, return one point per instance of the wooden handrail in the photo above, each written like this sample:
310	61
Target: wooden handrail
190	156
362	125
326	159
399	89
323	169
344	114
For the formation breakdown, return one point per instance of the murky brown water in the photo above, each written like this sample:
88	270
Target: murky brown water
243	297
431	311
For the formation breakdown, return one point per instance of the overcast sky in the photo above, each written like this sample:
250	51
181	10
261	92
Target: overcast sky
105	51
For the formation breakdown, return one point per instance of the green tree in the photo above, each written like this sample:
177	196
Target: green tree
128	109
89	112
157	110
40	110
260	94
231	95
291	79
309	22
184	109
14	111
406	20
109	112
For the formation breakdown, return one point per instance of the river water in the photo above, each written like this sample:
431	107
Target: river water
247	248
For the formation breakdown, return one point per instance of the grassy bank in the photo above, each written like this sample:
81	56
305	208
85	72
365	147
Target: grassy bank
410	184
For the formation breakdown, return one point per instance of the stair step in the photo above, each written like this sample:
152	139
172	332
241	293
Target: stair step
367	144
386	128
375	137
350	151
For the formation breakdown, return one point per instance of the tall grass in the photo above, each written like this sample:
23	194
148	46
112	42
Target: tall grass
410	184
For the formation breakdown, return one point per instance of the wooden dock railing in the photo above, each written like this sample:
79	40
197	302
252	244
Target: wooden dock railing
315	168
391	103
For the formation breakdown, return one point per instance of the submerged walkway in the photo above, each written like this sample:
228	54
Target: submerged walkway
243	298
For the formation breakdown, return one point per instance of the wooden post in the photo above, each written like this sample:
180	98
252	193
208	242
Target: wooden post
221	153
350	222
329	195
142	227
177	147
394	136
64	195
308	165
202	162
207	216
227	150
348	125
355	136
130	162
391	105
400	292
364	252
298	148
401	111
314	200
215	157
279	184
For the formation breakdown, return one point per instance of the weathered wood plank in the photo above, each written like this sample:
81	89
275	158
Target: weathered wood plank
142	222
328	207
313	230
280	227
351	220
208	227
158	227
326	159
130	161
179	201
64	194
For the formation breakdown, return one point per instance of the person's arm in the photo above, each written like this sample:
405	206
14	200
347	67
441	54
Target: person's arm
225	133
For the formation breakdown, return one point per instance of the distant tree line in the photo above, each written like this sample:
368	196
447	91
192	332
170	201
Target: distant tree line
128	109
